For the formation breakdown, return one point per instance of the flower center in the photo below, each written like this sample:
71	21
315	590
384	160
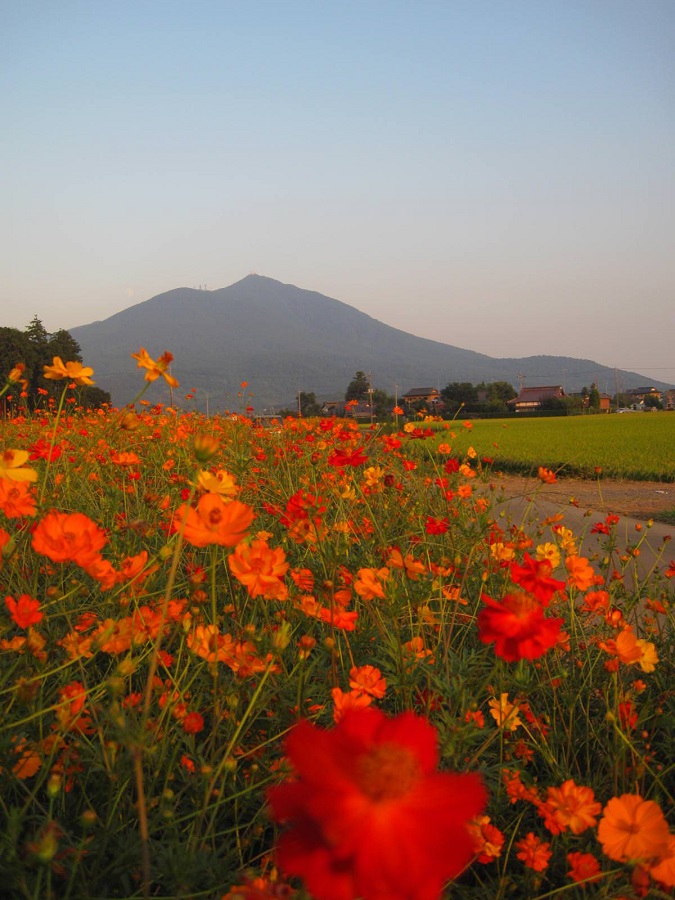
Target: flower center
389	771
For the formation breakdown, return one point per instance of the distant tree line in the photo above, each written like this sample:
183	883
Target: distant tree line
35	348
481	398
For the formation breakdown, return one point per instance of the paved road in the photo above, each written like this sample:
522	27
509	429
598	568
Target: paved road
656	544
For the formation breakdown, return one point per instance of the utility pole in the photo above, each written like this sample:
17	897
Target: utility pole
521	379
299	404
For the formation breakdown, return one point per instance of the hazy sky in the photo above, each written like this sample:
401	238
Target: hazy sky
494	174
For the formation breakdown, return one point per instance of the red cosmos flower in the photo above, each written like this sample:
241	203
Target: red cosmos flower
436	526
341	458
518	627
41	449
193	723
534	577
370	816
25	611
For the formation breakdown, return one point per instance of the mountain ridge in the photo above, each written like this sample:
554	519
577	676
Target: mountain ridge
281	338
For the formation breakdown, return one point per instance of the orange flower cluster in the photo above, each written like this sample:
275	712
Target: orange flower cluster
242	657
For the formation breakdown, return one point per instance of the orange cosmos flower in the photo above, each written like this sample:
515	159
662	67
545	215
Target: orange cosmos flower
488	840
570	806
16	375
633	829
505	713
664	870
413	567
207	641
260	569
583	867
69	537
415	648
16	499
517	626
546	476
369	814
369	583
581	574
515	789
352	700
368	680
630	650
25	611
534	852
29	761
12	466
73	371
71	712
155	368
214	521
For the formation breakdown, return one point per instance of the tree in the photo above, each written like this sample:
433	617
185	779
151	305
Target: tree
594	397
383	403
92	397
358	387
652	402
63	344
14	348
457	393
308	405
501	390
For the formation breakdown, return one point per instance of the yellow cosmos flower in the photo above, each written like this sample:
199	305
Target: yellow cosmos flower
220	482
73	371
505	713
12	466
155	368
373	475
550	552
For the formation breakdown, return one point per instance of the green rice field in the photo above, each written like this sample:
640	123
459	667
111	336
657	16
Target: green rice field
639	446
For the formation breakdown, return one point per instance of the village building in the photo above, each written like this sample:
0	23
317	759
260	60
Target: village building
428	395
532	399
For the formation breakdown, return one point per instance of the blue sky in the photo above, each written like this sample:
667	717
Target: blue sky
494	175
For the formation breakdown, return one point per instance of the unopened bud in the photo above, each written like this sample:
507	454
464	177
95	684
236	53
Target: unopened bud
205	447
130	421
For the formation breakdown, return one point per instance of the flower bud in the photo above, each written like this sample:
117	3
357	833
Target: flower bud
205	447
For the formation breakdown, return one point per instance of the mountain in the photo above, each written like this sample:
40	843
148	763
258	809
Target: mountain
281	339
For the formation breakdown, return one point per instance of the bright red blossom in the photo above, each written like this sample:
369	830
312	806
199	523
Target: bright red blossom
534	576
25	611
370	815
517	626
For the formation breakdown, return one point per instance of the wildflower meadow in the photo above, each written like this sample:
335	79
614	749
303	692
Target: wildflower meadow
306	660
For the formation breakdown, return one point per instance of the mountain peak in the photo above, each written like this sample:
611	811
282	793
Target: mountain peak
282	339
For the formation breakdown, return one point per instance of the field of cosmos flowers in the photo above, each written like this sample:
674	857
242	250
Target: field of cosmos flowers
306	660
